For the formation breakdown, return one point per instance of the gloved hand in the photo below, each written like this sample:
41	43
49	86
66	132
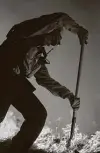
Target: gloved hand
82	35
74	102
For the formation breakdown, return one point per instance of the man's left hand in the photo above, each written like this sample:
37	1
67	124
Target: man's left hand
74	102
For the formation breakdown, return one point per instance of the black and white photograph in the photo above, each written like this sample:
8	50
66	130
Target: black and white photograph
49	76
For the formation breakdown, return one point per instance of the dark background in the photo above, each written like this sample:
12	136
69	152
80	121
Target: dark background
64	59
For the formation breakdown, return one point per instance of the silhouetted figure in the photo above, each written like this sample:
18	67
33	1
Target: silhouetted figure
22	58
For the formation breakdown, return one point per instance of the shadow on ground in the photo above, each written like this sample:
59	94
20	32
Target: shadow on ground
4	146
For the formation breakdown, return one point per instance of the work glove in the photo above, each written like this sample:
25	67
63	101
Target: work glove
82	35
74	101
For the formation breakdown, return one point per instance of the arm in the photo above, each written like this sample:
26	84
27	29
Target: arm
75	28
43	78
64	20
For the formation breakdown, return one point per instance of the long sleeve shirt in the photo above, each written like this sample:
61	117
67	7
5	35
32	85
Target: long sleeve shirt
32	67
44	79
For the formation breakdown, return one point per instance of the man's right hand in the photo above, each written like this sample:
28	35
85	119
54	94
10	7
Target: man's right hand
82	35
74	101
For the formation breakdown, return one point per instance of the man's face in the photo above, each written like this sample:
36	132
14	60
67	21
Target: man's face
53	39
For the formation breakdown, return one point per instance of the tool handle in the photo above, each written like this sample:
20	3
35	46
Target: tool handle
79	69
76	93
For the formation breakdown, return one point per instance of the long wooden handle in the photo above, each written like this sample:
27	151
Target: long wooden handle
76	93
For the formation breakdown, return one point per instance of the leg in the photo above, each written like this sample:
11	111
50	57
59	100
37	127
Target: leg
3	110
35	115
5	101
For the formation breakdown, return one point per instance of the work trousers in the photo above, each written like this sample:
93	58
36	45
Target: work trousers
19	93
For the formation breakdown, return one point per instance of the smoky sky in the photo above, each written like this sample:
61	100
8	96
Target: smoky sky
64	59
